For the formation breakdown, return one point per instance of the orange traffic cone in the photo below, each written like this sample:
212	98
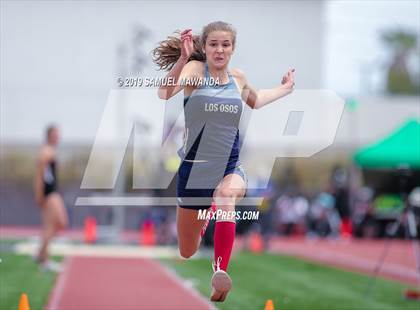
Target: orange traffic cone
148	234
90	229
23	302
269	305
256	243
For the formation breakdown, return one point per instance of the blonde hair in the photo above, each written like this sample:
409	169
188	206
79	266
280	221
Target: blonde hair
167	53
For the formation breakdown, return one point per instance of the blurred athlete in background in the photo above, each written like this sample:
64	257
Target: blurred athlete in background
50	202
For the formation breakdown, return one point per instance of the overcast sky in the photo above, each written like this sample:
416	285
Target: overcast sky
354	54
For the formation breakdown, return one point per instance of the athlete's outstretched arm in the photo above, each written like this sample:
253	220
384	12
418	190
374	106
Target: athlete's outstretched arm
256	99
180	70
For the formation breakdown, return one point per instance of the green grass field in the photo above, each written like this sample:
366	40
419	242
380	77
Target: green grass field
19	274
293	284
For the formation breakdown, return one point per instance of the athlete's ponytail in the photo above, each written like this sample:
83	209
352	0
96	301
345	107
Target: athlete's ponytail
167	53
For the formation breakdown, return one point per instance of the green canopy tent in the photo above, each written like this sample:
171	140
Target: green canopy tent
400	149
392	164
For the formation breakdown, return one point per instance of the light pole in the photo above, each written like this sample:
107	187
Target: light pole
124	69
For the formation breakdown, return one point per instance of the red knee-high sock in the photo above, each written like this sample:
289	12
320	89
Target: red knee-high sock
224	235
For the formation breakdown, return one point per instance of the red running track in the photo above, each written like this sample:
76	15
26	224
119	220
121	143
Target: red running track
120	283
358	255
355	255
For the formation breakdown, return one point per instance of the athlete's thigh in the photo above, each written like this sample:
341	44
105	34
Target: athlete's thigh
55	206
48	216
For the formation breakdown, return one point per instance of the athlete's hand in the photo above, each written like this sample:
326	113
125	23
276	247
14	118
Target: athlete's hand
288	80
187	45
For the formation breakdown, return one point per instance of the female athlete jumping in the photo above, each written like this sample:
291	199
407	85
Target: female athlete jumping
53	211
210	176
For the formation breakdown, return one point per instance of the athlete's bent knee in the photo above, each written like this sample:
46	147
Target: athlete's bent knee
187	253
224	197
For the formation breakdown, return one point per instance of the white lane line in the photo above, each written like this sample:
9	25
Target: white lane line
57	292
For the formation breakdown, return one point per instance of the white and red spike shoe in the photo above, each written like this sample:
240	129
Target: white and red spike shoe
221	283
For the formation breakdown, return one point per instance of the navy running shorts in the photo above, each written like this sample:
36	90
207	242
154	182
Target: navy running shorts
202	185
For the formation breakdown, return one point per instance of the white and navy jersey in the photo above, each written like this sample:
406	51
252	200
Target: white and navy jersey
212	117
